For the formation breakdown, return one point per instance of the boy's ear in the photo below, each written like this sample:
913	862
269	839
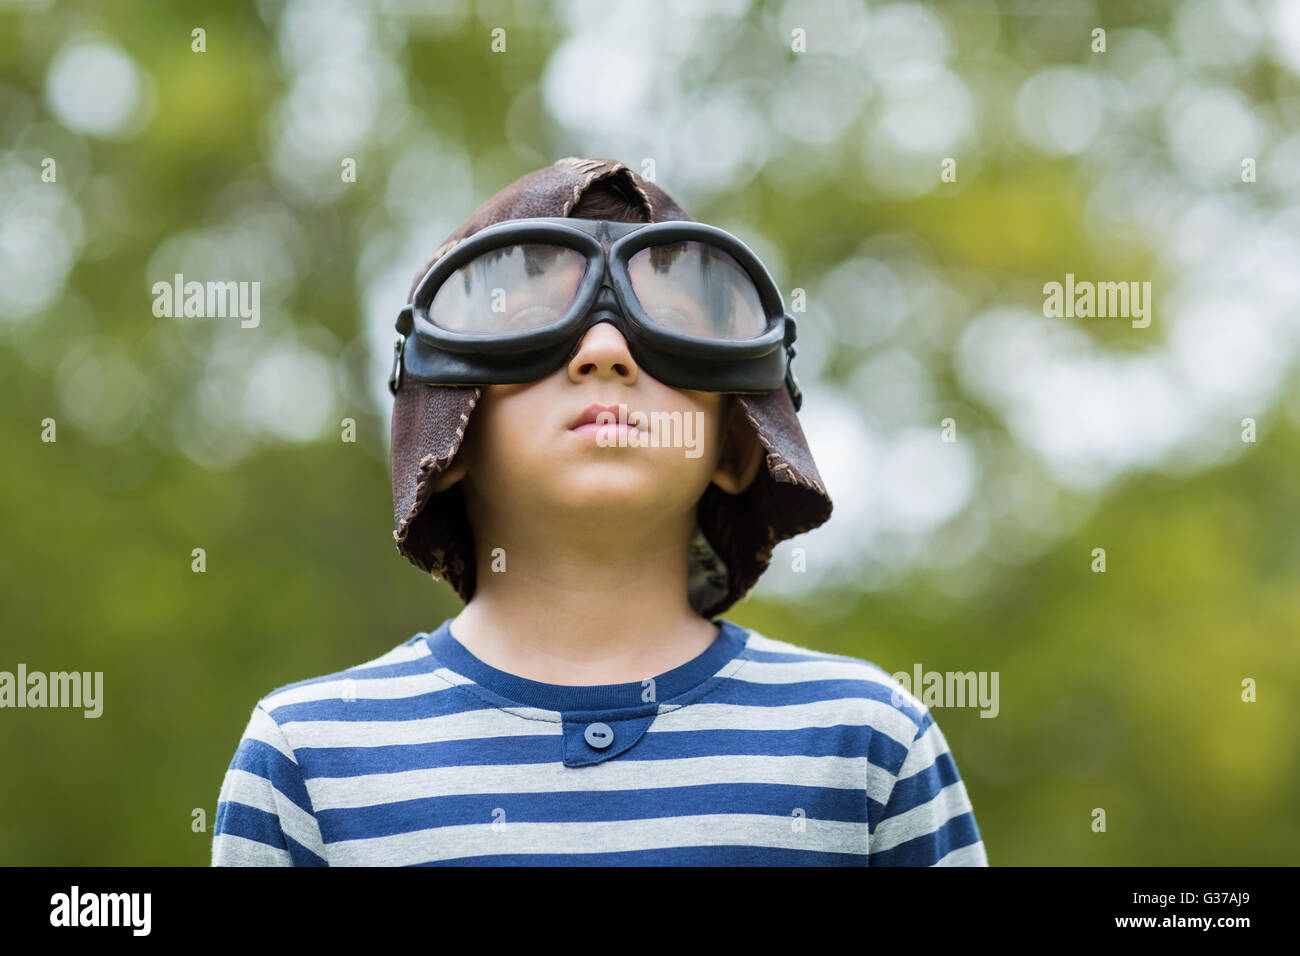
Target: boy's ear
742	452
454	473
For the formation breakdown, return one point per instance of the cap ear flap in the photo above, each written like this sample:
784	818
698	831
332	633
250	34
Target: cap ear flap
742	453
458	467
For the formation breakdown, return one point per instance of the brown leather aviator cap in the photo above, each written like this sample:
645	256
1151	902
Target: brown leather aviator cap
735	534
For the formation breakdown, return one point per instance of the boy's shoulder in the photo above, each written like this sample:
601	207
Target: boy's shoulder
399	670
774	651
846	676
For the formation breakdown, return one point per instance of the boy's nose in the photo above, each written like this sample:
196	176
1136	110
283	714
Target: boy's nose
603	353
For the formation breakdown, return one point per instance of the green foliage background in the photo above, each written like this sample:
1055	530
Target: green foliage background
1120	691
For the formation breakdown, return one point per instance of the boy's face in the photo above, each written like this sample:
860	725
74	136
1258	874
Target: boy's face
526	461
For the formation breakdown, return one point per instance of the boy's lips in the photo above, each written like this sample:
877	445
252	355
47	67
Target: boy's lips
590	416
588	421
593	428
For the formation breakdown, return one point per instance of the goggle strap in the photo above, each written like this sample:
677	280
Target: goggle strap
405	325
791	383
406	320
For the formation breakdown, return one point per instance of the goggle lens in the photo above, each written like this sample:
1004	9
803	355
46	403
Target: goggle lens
695	289
514	288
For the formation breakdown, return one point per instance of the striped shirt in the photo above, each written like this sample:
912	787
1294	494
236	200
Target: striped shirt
755	752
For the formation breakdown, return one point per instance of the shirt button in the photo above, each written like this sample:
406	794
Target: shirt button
599	735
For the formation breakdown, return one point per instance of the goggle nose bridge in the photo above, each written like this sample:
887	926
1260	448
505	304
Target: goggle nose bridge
604	308
606	300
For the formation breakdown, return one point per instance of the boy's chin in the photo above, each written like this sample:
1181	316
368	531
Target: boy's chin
612	487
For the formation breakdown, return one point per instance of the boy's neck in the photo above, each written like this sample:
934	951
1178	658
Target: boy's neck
569	612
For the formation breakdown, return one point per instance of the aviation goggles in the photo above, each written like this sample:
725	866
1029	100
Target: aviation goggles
511	303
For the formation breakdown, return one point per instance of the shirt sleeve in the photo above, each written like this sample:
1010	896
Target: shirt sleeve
928	819
264	814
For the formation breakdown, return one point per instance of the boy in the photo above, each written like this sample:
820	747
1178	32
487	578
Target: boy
588	706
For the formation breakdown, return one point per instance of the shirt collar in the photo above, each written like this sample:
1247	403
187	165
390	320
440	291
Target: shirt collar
453	655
